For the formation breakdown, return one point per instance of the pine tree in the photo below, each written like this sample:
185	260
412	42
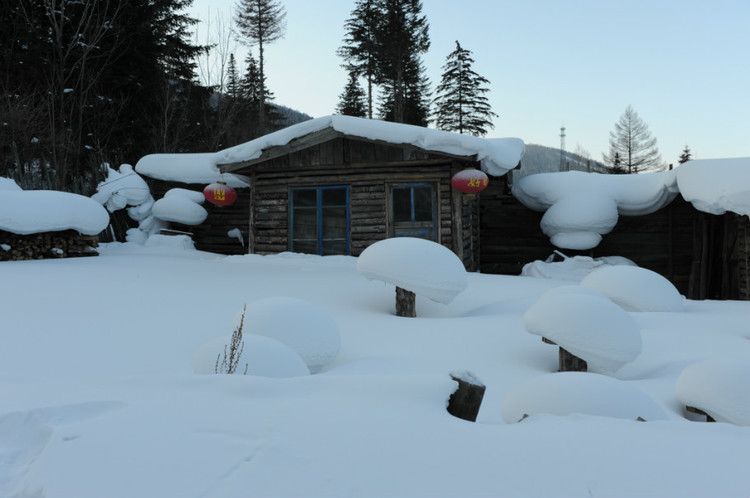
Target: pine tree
401	37
254	92
686	155
352	100
632	140
360	45
261	22
461	104
233	79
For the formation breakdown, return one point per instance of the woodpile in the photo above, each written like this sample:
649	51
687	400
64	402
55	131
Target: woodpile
64	244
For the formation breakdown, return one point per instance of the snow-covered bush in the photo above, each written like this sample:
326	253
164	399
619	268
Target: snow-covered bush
720	388
307	329
415	265
587	326
635	288
181	206
578	392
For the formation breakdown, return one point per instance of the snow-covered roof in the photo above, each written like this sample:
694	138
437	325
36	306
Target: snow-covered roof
496	155
581	207
716	185
34	211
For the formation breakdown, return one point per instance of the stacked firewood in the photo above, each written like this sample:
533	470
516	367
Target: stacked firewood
64	244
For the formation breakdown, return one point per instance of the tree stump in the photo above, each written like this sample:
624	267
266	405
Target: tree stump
571	363
466	400
405	303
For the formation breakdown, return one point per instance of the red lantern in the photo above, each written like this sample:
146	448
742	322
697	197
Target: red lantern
470	181
220	193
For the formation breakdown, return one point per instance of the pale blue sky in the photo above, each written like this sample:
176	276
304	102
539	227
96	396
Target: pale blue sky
683	65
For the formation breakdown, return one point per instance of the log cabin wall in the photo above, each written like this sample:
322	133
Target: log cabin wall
368	169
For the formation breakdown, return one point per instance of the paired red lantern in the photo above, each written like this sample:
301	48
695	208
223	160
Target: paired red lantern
470	181
220	193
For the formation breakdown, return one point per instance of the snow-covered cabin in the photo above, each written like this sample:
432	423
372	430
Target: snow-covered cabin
336	184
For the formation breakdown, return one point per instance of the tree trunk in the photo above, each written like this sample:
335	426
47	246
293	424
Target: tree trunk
466	400
571	363
405	303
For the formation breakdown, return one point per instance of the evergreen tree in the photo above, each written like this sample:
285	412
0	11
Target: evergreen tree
617	167
233	79
686	155
253	93
352	100
261	22
400	38
632	140
360	45
461	104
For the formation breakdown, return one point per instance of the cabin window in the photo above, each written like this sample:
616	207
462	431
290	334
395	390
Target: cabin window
413	210
319	220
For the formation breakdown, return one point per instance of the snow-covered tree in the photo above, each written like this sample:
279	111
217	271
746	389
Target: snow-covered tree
632	140
461	103
686	155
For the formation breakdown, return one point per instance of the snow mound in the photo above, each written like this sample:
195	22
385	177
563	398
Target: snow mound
307	329
122	188
187	168
719	387
635	288
591	327
9	184
566	393
716	185
33	211
581	207
574	268
421	266
264	357
181	206
181	242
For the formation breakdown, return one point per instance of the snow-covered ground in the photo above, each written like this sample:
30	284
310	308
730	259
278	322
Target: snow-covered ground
98	397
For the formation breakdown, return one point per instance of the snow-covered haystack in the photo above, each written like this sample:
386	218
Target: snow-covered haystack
261	356
307	329
635	288
587	326
574	268
716	185
718	387
566	393
181	206
418	266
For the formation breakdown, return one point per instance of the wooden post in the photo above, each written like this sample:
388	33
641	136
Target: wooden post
466	400
405	303
571	363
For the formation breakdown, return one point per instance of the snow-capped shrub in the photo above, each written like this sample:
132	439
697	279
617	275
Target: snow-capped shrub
307	329
263	356
635	288
578	392
721	388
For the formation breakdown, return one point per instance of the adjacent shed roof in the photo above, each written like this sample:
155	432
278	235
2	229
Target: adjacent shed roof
496	156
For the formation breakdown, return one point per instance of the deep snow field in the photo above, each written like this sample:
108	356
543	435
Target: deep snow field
98	397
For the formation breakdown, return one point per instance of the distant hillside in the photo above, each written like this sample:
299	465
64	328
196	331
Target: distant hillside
290	116
541	159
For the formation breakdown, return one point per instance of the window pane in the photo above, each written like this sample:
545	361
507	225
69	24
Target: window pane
305	224
423	203
402	204
334	223
304	198
306	246
334	247
334	196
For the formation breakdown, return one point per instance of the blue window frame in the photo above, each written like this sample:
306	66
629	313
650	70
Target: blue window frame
413	210
319	220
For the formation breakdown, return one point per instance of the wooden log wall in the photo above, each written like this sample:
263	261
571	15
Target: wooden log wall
46	245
